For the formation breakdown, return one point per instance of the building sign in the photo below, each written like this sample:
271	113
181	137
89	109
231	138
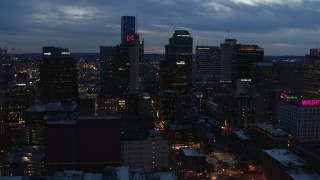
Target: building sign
20	84
130	38
47	53
65	53
286	96
308	102
245	80
180	63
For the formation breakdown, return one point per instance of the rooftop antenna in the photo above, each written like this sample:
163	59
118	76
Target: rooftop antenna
228	34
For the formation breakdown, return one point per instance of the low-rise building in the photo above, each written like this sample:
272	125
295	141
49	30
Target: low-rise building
283	164
269	137
193	163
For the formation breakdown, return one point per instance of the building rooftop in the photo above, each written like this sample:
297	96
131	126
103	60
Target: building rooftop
286	158
242	135
59	118
165	175
181	32
270	129
128	172
189	152
76	175
108	117
52	106
300	173
123	172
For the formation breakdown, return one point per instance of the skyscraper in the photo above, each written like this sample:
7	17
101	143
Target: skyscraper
58	75
227	50
312	74
207	65
108	69
121	64
243	58
128	28
120	68
176	69
17	98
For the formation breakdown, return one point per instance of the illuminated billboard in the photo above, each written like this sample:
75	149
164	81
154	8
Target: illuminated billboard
310	102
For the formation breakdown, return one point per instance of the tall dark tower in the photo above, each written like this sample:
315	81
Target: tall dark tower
58	75
243	58
128	28
227	49
176	70
312	75
108	69
121	64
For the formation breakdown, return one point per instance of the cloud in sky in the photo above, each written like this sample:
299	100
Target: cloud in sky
279	26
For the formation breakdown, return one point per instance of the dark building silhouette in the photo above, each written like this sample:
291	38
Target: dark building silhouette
176	70
264	76
312	74
243	58
227	49
6	75
120	68
58	75
169	102
108	70
290	76
89	143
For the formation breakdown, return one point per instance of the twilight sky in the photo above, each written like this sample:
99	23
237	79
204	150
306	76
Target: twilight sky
281	27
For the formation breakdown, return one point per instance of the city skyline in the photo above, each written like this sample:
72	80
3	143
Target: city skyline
281	27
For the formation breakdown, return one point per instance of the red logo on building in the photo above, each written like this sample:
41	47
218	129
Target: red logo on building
129	38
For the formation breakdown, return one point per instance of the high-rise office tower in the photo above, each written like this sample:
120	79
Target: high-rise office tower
108	70
312	74
120	68
17	98
128	28
131	40
243	58
227	50
121	64
207	65
176	70
58	75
